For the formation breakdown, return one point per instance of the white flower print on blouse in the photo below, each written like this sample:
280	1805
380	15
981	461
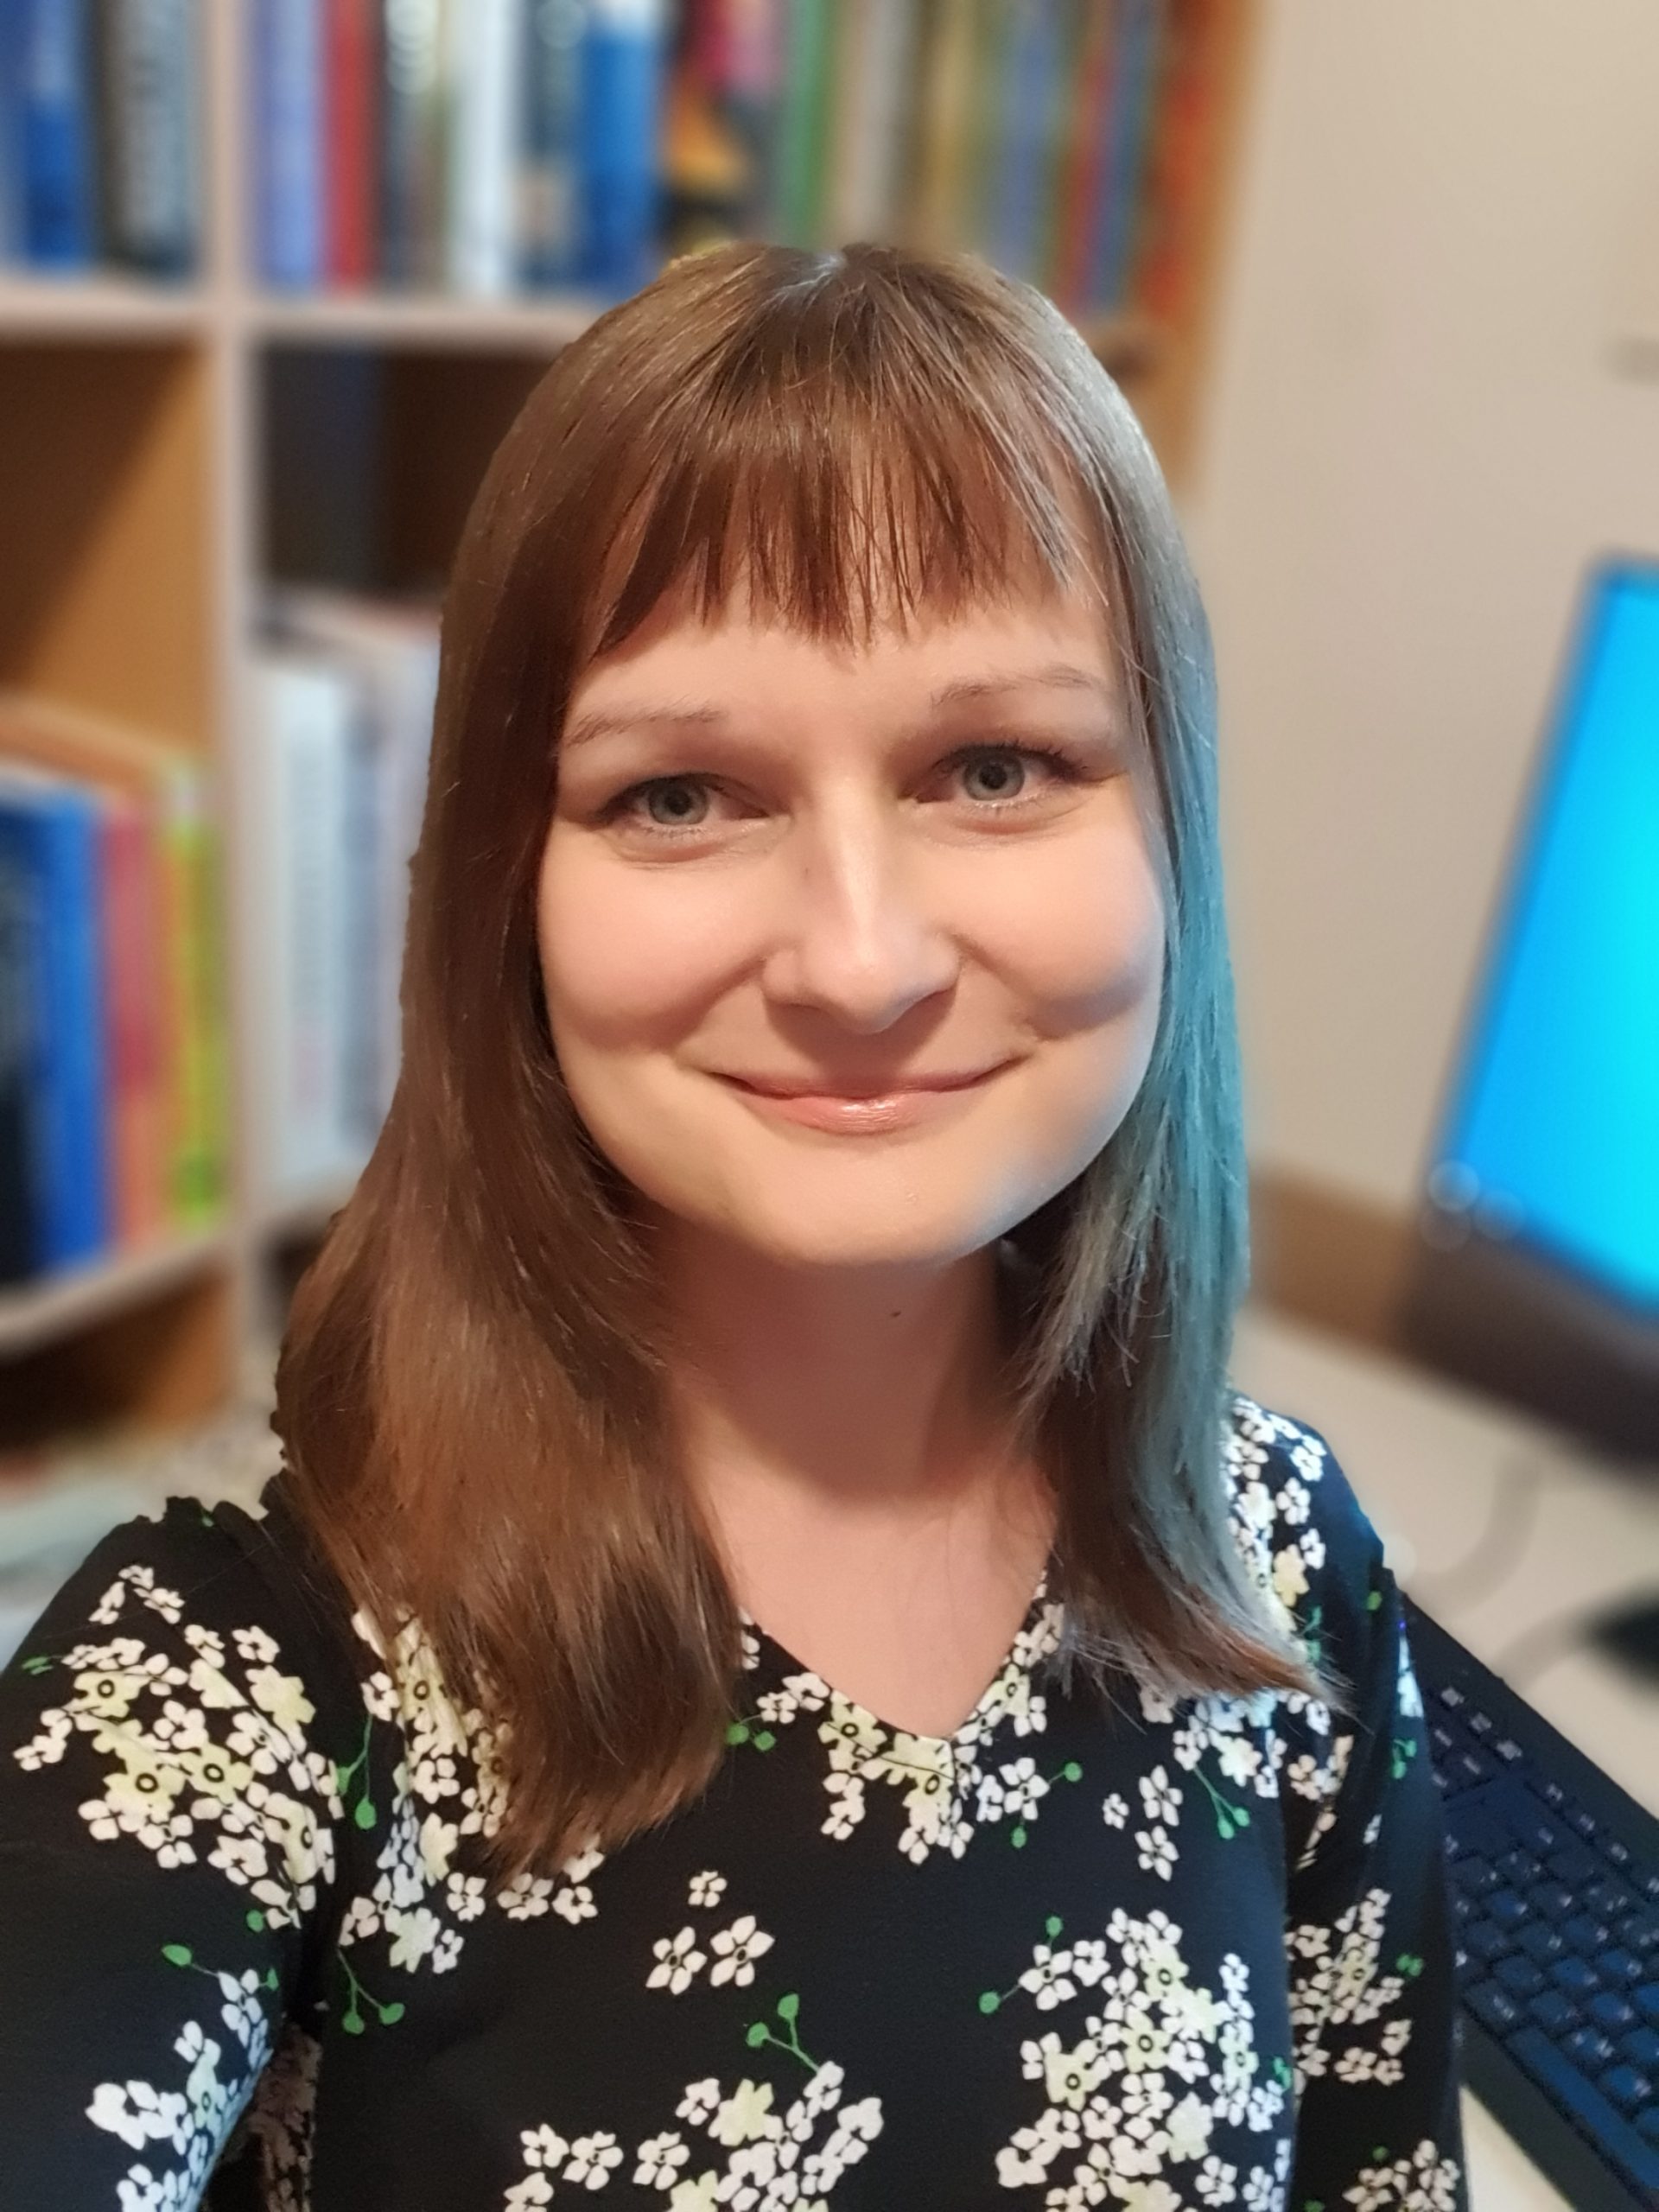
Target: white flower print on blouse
1134	2087
752	2156
181	2131
203	1749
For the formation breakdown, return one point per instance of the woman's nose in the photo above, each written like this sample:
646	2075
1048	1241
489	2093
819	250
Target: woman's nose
862	934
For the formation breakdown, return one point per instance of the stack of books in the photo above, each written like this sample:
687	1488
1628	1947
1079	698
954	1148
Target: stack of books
343	692
100	135
112	1035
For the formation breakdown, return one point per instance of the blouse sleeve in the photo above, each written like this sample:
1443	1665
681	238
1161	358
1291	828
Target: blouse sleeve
167	1852
1373	1999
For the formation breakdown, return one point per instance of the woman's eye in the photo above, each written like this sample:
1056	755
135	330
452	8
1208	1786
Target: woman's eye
1009	791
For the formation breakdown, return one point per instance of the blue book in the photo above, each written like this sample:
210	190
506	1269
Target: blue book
57	825
1133	85
20	1016
287	140
1017	202
620	135
56	133
549	143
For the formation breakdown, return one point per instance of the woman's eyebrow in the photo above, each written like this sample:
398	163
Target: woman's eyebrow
605	721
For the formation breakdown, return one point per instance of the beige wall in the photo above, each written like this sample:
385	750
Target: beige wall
1416	439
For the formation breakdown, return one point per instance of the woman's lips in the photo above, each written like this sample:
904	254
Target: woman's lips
893	1109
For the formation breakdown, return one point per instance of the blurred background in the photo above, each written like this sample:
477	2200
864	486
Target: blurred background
1381	280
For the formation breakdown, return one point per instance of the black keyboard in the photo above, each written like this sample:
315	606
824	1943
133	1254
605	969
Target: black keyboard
1555	1883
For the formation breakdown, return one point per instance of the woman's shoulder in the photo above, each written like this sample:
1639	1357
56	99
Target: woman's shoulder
1307	1539
203	1572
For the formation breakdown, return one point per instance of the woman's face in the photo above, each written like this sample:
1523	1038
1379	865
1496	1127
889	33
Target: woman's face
775	860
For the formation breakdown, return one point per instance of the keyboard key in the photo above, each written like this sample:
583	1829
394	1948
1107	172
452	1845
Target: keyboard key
1587	1935
1638	1932
1474	1874
1494	2007
1640	2047
1508	1910
1626	2086
1452	1695
1507	1749
1553	1898
1522	1979
1596	2112
1608	1900
1539	1939
1575	1864
1589	2048
1553	1794
1577	1978
1646	2001
1468	1768
1536	1824
1619	1969
1582	1821
1485	1939
1481	1723
1610	2012
1519	1866
1551	2012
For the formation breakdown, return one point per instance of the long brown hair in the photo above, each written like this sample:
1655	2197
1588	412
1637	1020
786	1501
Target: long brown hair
471	1391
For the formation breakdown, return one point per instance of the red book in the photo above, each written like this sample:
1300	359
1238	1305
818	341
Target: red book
1082	157
1181	154
349	76
134	1014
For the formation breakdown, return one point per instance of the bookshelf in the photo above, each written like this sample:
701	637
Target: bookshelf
154	441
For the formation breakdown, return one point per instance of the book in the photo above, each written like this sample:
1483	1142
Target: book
547	200
620	129
411	148
483	68
54	836
148	125
56	133
289	165
350	83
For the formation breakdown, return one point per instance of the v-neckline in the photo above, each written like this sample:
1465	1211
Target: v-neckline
787	1663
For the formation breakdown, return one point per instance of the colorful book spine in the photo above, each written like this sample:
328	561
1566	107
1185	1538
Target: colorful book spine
1138	98
135	1015
808	89
1159	261
351	77
484	69
412	142
58	831
1019	197
549	189
1086	151
196	985
147	105
56	133
20	1014
624	68
289	143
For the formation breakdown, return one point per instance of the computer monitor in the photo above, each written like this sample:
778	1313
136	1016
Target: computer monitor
1536	1267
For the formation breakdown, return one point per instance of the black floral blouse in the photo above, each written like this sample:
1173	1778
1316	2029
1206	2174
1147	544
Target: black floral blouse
1146	1954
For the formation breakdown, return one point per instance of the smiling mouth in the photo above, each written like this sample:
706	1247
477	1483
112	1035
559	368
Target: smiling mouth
914	1087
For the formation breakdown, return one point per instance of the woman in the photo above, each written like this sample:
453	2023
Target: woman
777	1671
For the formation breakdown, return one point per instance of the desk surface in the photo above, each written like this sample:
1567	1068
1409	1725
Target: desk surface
1438	1468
